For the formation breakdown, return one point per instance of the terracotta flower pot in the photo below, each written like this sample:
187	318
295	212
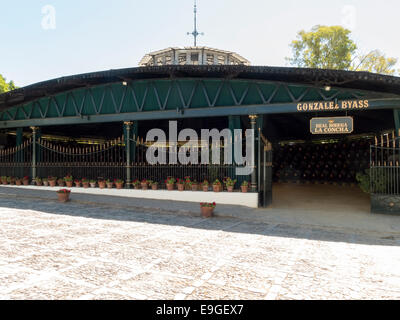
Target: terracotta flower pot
46	183
25	182
110	185
18	182
63	197
205	188
136	187
69	184
170	187
102	184
85	185
119	185
181	187
244	189
154	187
229	188
78	184
207	212
61	183
39	183
195	187
145	186
93	185
52	183
217	188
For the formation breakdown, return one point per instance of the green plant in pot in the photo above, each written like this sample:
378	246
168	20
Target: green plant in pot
244	187
217	186
69	181
170	183
230	184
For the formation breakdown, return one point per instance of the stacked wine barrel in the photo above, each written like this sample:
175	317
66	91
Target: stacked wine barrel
321	162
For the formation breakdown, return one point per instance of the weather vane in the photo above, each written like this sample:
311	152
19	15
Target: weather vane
195	33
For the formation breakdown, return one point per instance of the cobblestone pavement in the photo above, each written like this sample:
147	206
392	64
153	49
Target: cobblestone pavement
75	251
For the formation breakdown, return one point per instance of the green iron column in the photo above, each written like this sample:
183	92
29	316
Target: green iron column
253	122
128	144
234	123
34	152
396	115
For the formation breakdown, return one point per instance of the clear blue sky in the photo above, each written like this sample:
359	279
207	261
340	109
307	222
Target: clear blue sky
94	35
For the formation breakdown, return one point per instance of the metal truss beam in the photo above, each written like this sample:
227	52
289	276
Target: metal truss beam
177	98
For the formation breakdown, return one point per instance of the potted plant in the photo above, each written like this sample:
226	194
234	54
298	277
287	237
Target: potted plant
63	195
207	209
38	181
52	181
10	180
145	184
109	183
170	183
78	183
18	181
205	185
194	186
69	181
188	183
119	183
245	187
154	185
180	184
93	183
25	181
61	182
136	184
45	182
85	183
230	184
4	179
217	186
102	183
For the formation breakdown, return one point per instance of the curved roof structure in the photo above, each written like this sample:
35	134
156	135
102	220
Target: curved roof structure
192	56
314	77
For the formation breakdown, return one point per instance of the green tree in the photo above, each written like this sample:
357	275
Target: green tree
323	47
4	86
376	62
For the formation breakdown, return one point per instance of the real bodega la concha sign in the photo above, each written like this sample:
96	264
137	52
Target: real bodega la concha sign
334	125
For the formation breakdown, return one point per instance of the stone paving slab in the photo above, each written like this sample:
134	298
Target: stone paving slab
68	251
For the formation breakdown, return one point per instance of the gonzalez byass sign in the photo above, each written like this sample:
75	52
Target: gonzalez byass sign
332	106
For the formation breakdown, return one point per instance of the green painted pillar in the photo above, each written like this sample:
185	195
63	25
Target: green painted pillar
396	115
34	153
128	147
135	134
234	123
253	123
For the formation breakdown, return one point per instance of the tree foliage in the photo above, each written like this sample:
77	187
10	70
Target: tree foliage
376	62
332	48
323	47
6	86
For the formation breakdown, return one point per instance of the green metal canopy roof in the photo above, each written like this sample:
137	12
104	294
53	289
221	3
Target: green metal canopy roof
314	77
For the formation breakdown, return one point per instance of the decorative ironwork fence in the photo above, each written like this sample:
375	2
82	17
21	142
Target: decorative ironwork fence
17	161
106	160
110	160
385	166
384	175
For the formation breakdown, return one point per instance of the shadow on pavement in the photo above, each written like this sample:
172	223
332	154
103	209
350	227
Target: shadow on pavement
177	214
